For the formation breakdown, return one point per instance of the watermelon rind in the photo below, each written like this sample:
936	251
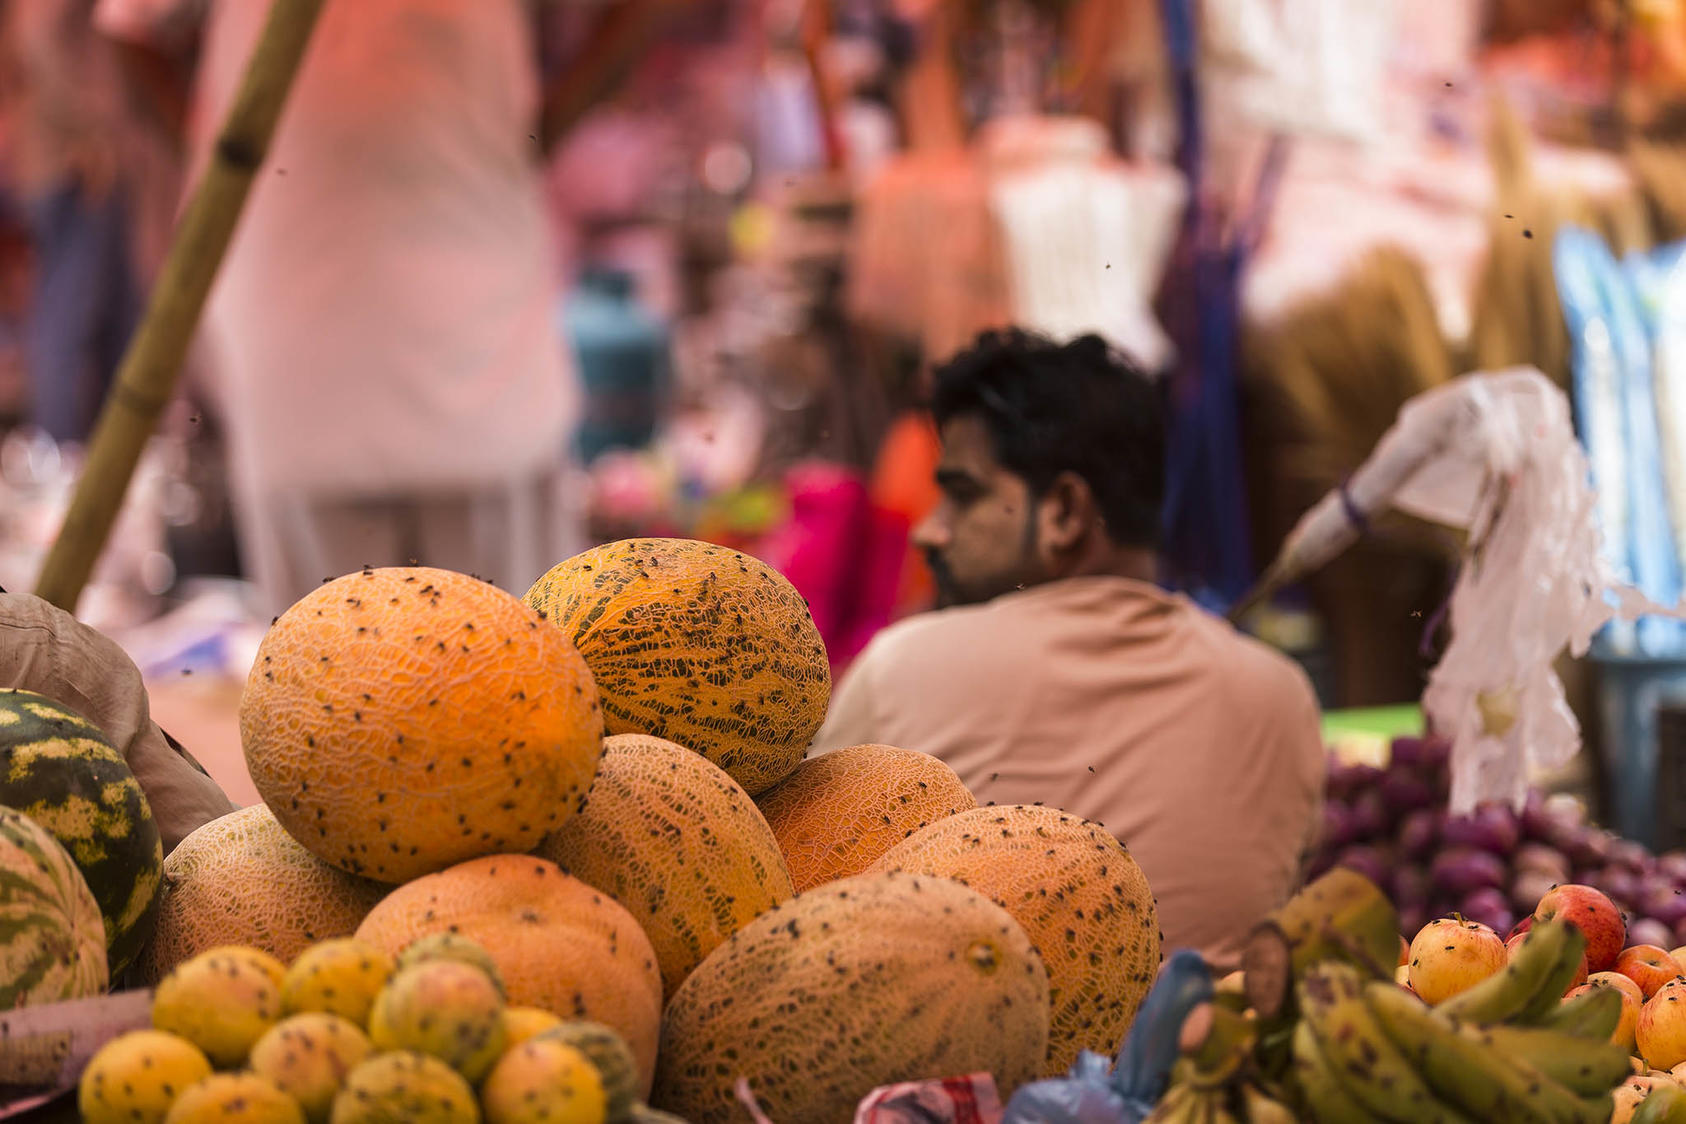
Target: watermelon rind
52	939
61	771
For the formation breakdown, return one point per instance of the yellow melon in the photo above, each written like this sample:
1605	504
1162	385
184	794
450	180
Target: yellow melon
677	842
1079	896
837	813
400	720
559	944
242	880
698	644
864	982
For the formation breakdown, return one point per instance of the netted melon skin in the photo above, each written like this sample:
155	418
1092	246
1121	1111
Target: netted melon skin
838	813
241	879
697	644
863	982
1078	894
679	843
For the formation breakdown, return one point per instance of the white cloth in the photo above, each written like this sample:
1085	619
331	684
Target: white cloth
1314	66
382	323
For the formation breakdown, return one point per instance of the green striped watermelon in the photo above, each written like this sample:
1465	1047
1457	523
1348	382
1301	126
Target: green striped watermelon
58	769
52	941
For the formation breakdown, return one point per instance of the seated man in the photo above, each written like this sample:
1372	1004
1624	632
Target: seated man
1062	675
48	651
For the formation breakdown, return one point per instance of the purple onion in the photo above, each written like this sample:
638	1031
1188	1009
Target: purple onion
1673	867
1634	856
1542	859
1411	886
1419	833
1337	826
1436	755
1412	918
1463	870
1490	907
1369	861
1649	930
1369	815
1536	821
1491	827
1664	903
1590	848
1620	884
1529	886
1405	753
1346	781
1406	792
1679	937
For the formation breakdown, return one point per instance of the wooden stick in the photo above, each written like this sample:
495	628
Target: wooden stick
146	379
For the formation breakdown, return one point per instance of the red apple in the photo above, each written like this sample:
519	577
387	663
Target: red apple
1450	956
1594	914
1648	966
1632	1000
1661	1033
1404	951
1516	940
1679	955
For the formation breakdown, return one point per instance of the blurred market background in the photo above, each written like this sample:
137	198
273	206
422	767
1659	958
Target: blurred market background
1300	213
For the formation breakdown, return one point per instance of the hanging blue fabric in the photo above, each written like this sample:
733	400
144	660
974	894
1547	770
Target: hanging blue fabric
1205	520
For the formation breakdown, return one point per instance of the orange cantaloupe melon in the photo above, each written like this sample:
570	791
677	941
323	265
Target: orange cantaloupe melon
400	720
559	944
838	812
1080	897
698	644
242	880
676	841
863	982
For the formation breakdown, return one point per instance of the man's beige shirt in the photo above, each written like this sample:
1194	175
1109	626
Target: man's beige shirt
1197	747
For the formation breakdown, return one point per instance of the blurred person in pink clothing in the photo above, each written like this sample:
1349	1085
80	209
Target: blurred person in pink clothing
380	339
1058	672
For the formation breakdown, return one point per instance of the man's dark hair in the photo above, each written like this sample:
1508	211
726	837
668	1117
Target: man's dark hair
1079	407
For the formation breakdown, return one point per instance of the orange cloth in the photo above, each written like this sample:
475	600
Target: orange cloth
904	484
1200	749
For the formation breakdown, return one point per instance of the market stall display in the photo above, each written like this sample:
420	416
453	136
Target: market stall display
1023	934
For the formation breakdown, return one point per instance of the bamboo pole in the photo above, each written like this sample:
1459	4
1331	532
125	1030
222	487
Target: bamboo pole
147	377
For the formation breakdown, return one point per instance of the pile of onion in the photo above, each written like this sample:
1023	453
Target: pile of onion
1493	865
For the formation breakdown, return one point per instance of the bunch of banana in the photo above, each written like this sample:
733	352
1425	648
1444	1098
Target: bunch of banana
1509	1049
1216	1081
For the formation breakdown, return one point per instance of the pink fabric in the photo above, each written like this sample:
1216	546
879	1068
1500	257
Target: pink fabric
841	553
955	1100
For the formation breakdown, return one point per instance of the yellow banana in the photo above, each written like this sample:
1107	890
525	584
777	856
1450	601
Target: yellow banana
1585	1067
1179	1105
1528	988
1592	1014
1468	1073
1371	1067
1262	1109
1323	1094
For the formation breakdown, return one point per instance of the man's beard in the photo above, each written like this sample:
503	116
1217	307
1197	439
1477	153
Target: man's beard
950	593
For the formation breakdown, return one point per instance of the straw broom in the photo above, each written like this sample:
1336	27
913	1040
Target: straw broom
147	377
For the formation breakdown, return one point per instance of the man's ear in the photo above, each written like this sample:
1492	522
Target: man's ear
1069	514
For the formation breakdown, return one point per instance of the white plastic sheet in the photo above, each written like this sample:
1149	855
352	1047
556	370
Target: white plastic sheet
1494	453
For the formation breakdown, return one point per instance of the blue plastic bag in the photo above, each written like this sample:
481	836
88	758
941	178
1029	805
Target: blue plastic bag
1094	1093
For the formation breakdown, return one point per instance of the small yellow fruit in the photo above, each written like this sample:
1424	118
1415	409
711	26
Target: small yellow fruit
341	977
308	1057
544	1081
134	1079
444	1008
235	1098
222	1001
522	1023
405	1088
450	946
